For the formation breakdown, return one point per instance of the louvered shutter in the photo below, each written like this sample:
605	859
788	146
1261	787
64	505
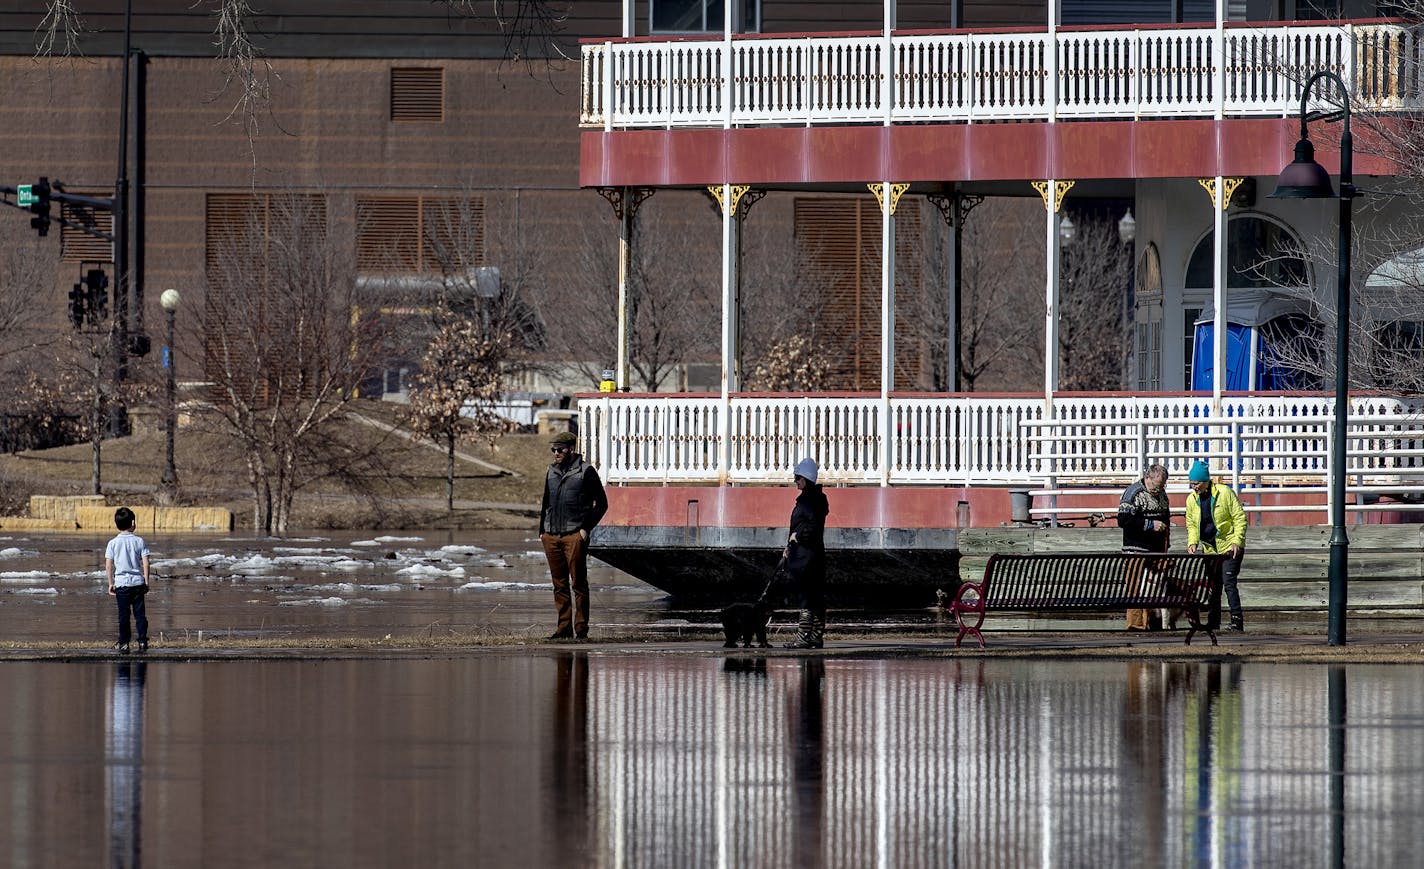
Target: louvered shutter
838	241
79	246
388	234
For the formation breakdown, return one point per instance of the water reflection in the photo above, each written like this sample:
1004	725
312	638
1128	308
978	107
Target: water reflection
637	760
123	757
808	749
1150	689
1337	766
568	781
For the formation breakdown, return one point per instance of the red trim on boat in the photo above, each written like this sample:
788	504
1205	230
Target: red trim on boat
950	152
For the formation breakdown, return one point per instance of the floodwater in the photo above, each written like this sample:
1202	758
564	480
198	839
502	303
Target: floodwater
603	756
463	583
52	587
576	757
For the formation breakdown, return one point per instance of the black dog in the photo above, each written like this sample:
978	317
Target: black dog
743	621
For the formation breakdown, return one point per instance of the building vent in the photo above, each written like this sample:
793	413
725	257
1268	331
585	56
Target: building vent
418	95
77	245
418	235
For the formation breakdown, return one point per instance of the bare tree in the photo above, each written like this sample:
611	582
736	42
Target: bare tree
674	310
1094	327
456	393
1001	287
290	338
1386	338
58	386
94	351
484	330
26	266
786	344
71	395
791	364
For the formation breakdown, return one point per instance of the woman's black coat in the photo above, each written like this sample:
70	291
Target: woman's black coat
806	555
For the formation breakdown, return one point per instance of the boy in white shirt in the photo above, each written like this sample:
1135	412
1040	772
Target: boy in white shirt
126	564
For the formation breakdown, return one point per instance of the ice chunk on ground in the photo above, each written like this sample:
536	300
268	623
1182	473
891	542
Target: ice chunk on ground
318	601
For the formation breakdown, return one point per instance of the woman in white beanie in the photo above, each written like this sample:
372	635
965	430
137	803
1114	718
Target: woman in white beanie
806	556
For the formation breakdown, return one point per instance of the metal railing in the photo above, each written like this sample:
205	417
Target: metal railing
1275	442
959	76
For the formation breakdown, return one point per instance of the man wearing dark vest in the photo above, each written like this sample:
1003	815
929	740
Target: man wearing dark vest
574	503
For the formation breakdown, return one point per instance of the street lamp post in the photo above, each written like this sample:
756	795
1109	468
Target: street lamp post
1306	179
169	482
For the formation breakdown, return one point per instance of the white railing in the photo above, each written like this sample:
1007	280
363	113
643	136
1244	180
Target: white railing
963	77
1261	443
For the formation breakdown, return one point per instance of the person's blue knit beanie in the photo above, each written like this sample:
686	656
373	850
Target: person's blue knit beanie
1199	473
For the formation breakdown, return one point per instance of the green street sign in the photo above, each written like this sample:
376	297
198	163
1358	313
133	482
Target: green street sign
25	195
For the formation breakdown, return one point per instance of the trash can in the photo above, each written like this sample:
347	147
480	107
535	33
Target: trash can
1020	502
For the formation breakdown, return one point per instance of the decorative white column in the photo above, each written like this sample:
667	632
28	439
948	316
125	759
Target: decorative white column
887	62
1052	191
1219	203
729	26
730	379
1051	88
1218	299
1220	190
888	195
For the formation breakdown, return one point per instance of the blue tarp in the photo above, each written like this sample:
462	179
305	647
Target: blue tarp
1247	312
1270	373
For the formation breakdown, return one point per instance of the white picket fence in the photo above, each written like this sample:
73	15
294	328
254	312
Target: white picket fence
1258	442
1185	71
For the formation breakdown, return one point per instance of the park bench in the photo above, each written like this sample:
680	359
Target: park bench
1086	582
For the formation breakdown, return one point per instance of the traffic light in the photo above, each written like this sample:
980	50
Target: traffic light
41	207
89	299
77	301
96	303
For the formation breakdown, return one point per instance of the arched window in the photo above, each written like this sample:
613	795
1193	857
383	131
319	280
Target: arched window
1260	254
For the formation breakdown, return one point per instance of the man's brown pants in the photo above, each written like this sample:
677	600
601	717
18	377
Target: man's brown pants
568	566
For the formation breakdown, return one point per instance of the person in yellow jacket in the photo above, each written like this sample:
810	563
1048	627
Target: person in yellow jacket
1217	524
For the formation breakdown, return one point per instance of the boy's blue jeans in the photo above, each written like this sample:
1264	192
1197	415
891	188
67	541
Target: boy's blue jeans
130	598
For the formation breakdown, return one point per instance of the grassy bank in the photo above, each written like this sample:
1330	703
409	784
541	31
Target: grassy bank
496	491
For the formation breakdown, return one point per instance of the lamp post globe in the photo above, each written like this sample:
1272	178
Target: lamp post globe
170	299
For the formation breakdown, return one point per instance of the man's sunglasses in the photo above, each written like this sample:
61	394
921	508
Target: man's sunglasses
558	449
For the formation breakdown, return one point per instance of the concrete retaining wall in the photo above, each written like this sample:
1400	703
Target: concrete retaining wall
60	508
151	519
